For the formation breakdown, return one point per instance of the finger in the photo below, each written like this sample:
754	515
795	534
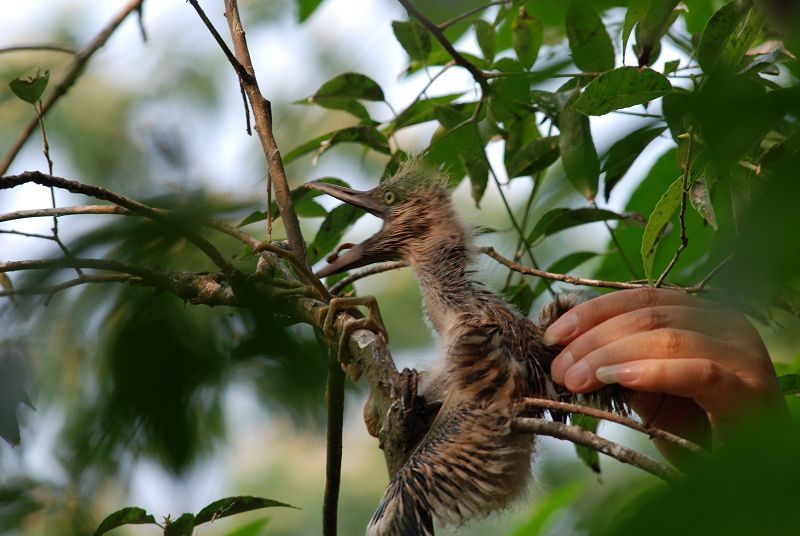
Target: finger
595	311
713	386
665	343
638	321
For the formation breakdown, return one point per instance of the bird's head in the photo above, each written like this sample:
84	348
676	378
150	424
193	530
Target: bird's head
415	207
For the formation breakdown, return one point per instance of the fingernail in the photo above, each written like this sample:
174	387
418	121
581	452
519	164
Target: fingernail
618	373
577	376
561	364
560	329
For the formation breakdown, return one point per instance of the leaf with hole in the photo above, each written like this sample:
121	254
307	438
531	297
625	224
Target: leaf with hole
30	88
413	38
131	515
589	42
622	88
663	212
701	201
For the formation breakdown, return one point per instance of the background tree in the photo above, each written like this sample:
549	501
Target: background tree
537	111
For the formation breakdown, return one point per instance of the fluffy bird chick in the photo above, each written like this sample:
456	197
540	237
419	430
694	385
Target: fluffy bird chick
470	462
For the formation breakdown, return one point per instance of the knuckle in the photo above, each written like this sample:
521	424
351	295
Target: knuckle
671	340
647	296
654	318
709	374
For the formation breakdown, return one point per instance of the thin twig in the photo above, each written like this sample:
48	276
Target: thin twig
333	455
651	431
63	211
82	280
28	235
587	439
455	20
74	71
262	115
39	48
372	270
682	215
11	181
701	285
619	249
476	73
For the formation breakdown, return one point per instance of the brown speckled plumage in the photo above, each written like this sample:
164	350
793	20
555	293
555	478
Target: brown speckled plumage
470	462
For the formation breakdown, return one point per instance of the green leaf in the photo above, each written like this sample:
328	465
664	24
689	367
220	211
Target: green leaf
565	265
366	135
420	111
235	505
131	515
554	503
526	38
255	528
183	526
790	384
636	9
413	38
661	216
343	93
30	89
578	153
550	104
331	230
591	46
510	95
653	23
484	33
588	456
302	199
622	88
623	154
701	201
306	8
532	157
455	148
671	66
558	219
728	34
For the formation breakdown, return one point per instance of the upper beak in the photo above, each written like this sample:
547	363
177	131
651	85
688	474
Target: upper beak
362	200
360	254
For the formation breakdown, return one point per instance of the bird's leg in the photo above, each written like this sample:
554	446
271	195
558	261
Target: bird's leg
373	322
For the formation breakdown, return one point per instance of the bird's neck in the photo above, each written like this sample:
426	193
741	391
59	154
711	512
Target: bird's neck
441	268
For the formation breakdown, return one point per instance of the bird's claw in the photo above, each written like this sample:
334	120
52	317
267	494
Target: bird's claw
373	321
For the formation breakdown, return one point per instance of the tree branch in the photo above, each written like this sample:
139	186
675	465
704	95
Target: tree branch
84	279
39	48
262	115
333	455
651	431
372	270
11	181
587	439
73	73
476	73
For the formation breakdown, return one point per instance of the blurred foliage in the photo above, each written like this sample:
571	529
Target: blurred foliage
136	374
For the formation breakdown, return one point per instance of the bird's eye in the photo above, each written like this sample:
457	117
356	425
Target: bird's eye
389	197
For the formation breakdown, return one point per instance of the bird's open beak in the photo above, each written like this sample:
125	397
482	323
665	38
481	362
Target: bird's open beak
368	251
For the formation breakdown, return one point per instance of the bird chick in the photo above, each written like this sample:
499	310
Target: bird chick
470	462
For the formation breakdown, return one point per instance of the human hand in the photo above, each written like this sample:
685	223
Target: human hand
691	362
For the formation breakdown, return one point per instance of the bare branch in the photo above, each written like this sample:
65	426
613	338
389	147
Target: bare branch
333	455
262	114
372	270
37	177
587	439
682	215
455	20
82	280
39	48
476	73
73	73
63	211
651	431
490	251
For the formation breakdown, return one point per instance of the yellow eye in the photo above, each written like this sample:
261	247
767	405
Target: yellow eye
389	197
